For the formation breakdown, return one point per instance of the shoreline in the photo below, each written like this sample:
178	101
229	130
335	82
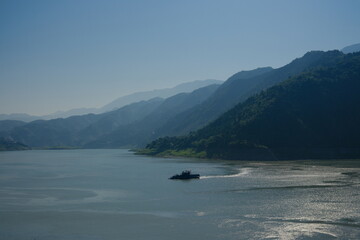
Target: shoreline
275	154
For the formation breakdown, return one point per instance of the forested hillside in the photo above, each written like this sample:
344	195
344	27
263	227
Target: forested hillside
11	145
77	130
140	132
131	125
241	86
261	116
312	115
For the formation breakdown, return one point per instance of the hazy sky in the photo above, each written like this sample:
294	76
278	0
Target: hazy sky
58	55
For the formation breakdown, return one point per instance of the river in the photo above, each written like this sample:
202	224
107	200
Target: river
114	194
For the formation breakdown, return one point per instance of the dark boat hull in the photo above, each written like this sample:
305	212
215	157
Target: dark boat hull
187	177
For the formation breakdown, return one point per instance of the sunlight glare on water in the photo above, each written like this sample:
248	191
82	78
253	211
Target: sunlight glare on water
114	194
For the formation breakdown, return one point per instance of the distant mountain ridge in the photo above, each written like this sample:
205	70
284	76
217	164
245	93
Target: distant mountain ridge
7	144
144	130
136	124
19	117
351	49
241	86
162	93
7	125
314	114
118	103
92	129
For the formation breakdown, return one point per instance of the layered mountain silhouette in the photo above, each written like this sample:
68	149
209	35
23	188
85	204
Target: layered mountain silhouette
90	130
7	125
314	114
117	103
8	144
241	86
272	113
19	117
161	93
141	132
351	49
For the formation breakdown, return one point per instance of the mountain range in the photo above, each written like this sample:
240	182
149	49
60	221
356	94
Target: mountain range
7	144
117	103
351	49
265	113
241	86
91	130
161	93
144	130
314	114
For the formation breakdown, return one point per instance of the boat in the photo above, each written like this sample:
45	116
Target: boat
185	175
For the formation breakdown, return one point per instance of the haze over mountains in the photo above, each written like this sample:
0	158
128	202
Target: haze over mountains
146	129
161	93
77	131
138	96
241	86
314	114
117	103
351	49
248	111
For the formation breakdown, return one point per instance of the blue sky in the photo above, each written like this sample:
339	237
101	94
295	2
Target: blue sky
58	55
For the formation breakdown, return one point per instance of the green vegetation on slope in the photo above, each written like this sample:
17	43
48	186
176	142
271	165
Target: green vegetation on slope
144	130
132	125
77	130
241	86
315	114
10	145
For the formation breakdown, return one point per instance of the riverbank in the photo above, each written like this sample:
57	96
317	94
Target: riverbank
261	154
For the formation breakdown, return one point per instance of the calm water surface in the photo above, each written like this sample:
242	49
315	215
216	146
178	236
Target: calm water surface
113	194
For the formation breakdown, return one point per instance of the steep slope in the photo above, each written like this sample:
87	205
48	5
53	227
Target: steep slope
8	125
142	131
241	86
117	103
313	115
19	117
57	132
351	49
87	129
10	145
76	130
162	93
223	99
69	113
124	116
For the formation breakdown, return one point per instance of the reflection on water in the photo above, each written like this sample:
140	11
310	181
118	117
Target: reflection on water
113	194
241	172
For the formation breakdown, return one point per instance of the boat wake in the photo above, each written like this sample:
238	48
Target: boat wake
242	172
